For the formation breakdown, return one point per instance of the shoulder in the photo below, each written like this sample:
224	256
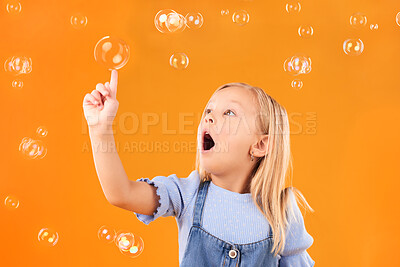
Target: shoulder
185	185
173	182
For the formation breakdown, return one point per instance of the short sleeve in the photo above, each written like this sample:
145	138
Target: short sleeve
297	241
175	194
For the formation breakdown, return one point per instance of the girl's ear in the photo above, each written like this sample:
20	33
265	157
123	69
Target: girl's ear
260	148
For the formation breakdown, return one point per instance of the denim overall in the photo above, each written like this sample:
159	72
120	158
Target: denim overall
204	249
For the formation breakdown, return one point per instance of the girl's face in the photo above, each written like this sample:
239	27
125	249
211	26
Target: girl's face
230	119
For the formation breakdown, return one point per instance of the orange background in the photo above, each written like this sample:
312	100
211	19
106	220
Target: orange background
344	121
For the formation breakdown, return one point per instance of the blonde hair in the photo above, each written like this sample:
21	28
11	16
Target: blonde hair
269	174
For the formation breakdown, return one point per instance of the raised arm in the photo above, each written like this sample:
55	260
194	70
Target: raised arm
100	108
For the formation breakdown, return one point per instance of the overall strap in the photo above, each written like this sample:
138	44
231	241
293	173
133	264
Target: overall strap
200	200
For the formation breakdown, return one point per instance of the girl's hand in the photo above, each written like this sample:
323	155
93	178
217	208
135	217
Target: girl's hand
100	107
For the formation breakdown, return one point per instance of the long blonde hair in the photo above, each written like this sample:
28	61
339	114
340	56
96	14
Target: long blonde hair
269	174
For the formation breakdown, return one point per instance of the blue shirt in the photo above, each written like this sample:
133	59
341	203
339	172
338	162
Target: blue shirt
227	215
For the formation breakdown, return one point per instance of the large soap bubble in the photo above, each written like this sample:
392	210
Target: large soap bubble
111	52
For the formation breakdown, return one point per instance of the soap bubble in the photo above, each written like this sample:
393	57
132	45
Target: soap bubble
48	237
179	61
17	65
358	20
106	234
306	31
78	21
161	18
41	131
224	12
293	7
240	17
17	83
32	149
111	52
373	27
129	244
169	21
22	65
353	47
297	84
398	18
194	20
297	64
175	22
13	7
11	202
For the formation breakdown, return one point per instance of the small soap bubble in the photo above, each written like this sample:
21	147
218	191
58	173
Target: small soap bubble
48	237
297	84
111	52
224	12
358	20
13	7
106	234
353	47
41	131
179	61
129	244
17	83
194	20
17	65
301	64
293	7
161	18
297	64
305	31
240	17
175	22
78	21
32	149
373	27
11	202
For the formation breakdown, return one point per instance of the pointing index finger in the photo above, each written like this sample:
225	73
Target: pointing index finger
114	81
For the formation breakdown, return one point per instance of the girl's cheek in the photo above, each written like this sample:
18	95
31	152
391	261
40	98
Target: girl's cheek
234	127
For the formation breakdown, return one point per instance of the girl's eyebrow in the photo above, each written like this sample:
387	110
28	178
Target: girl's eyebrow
232	101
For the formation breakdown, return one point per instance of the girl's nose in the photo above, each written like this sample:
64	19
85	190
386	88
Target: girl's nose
208	117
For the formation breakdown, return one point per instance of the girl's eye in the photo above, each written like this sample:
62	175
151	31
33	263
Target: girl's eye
207	110
230	111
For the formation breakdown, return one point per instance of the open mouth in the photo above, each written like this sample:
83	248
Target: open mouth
208	142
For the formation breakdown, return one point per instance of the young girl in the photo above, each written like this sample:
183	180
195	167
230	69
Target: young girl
233	209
